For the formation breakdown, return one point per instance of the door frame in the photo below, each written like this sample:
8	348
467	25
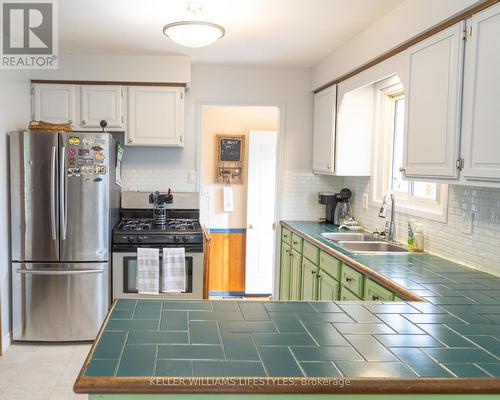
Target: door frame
280	163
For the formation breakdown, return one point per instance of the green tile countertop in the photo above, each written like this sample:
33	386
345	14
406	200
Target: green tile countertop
448	343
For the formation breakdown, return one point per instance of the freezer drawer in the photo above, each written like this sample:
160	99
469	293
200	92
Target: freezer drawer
59	302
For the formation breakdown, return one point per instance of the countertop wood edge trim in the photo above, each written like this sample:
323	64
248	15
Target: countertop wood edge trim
399	290
268	385
80	380
122	83
460	16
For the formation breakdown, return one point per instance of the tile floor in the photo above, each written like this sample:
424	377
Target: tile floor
41	371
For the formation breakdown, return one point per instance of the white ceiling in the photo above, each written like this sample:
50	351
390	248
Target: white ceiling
258	32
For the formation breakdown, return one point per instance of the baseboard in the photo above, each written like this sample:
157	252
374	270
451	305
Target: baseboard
6	341
241	294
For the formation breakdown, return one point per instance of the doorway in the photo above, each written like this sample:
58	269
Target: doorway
242	252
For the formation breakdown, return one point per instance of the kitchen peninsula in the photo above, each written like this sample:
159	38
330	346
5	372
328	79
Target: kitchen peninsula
446	342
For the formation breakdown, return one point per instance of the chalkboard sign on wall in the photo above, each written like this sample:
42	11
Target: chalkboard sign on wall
230	149
230	158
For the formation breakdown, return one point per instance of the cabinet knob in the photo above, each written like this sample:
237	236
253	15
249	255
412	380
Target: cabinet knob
374	298
328	166
402	170
313	272
84	122
130	140
69	121
348	279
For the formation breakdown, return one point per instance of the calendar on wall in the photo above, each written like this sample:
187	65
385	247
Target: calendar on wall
230	158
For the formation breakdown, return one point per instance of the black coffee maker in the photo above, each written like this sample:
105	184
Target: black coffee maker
331	200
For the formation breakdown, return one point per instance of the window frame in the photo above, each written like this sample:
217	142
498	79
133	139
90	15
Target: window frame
386	93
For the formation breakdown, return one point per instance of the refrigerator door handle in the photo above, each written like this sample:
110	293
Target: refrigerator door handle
62	193
61	272
53	193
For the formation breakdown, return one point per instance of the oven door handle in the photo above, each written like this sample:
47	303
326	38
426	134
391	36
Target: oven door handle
61	272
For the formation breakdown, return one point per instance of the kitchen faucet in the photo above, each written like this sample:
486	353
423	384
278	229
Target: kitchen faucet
390	227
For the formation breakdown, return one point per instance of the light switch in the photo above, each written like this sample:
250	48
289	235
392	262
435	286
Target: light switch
467	222
365	201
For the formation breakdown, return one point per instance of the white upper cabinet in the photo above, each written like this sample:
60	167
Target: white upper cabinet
53	103
325	105
481	111
433	103
155	116
101	102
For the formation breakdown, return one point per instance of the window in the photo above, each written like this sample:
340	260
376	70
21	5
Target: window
424	199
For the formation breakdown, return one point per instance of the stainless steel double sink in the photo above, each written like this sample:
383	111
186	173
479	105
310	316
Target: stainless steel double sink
362	242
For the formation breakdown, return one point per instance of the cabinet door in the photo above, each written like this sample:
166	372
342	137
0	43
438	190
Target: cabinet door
481	122
101	102
432	109
328	288
309	271
295	275
285	272
155	116
325	104
54	103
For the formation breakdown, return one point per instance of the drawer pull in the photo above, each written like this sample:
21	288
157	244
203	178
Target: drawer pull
348	279
295	242
285	235
375	298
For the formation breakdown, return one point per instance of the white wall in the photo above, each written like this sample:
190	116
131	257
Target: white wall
402	23
109	67
14	115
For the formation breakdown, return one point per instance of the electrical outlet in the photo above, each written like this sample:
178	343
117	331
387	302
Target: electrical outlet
365	201
467	222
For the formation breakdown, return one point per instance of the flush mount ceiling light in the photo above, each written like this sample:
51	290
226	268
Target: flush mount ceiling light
193	32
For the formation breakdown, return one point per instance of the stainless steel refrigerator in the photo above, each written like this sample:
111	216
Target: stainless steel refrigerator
64	204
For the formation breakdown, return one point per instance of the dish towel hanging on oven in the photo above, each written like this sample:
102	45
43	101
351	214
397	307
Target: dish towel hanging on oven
148	271
174	270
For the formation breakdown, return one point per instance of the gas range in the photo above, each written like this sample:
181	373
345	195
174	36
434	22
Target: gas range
145	231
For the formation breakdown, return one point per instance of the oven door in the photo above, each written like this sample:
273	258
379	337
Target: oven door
125	276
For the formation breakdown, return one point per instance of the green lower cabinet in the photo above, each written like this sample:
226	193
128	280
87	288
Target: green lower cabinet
376	292
347	295
309	280
285	272
328	288
352	280
295	275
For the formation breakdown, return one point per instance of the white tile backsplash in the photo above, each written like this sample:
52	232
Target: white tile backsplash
159	179
480	250
299	199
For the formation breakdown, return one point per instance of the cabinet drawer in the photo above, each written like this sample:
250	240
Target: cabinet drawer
375	292
330	265
297	243
311	252
352	280
286	236
347	295
328	288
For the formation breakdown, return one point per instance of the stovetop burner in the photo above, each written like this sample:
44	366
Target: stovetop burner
146	224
